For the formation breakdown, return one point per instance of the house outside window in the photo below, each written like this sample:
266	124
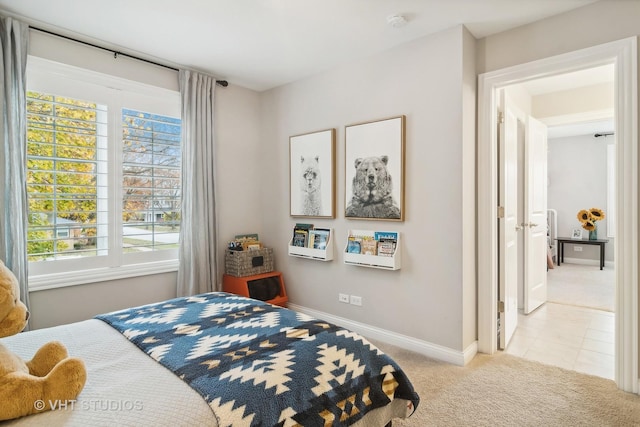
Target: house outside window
103	175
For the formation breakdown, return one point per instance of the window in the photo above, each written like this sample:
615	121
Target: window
103	175
150	181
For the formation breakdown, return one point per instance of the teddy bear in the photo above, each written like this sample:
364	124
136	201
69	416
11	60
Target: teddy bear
47	380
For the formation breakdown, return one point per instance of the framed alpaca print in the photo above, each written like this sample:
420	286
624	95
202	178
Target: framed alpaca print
312	174
374	170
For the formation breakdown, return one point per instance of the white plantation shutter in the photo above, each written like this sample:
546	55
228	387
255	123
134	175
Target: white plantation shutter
104	176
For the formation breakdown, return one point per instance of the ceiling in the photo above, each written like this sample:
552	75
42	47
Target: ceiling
261	44
572	80
585	125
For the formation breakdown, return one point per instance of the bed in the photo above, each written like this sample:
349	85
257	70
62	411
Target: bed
219	359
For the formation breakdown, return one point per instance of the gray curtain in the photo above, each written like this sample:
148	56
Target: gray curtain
197	271
14	37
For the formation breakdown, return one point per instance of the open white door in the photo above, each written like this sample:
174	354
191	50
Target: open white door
508	223
535	214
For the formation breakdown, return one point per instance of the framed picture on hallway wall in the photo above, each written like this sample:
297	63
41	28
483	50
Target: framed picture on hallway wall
312	174
374	169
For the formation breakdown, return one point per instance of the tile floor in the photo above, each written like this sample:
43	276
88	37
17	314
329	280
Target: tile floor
575	329
571	337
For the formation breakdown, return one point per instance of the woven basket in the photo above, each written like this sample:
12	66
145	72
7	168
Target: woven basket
248	263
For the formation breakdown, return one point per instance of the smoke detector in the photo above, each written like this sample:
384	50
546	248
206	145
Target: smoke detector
396	21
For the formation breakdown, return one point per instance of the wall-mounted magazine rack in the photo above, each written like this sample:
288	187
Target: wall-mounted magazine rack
392	262
323	254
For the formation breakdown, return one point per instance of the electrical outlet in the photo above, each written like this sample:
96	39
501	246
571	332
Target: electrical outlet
356	300
343	298
577	248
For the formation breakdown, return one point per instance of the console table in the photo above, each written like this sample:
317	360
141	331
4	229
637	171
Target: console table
598	242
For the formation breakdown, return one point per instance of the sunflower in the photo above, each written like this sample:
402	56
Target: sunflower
589	217
584	215
596	214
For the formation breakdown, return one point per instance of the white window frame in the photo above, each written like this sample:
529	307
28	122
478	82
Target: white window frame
51	77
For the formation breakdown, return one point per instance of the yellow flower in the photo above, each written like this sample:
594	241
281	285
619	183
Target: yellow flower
583	215
589	225
596	214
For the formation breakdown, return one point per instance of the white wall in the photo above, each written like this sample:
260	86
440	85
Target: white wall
432	82
590	25
577	170
64	51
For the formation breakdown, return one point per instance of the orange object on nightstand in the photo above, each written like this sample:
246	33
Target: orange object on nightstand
268	287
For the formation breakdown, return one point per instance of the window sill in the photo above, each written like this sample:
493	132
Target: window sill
75	278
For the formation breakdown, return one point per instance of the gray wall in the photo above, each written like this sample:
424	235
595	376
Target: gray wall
431	81
433	297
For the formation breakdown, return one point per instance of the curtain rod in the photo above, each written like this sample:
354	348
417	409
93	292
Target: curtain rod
116	53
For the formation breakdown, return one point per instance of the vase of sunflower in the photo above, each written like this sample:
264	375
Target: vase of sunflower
588	219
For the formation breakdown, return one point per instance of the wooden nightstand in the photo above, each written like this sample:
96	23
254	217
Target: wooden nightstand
267	287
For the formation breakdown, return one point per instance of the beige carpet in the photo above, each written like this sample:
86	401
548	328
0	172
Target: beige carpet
582	285
504	390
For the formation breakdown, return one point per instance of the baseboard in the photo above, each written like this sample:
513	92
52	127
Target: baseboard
428	349
584	261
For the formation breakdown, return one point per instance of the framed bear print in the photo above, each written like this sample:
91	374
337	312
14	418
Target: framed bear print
312	174
374	169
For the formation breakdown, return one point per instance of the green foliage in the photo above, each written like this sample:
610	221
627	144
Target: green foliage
40	243
63	164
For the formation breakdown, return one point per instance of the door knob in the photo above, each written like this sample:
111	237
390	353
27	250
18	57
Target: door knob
518	228
531	224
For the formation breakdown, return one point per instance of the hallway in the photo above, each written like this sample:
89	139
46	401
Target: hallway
567	331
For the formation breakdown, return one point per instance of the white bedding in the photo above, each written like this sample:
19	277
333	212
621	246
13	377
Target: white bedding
125	387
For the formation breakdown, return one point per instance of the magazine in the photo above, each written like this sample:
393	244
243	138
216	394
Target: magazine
300	238
387	235
318	238
386	248
301	235
353	245
369	246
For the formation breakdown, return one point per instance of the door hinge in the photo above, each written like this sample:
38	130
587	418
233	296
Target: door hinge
500	211
500	306
500	117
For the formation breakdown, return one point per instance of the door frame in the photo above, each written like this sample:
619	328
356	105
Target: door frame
623	54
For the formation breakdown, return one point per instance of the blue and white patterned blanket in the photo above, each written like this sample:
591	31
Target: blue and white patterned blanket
257	364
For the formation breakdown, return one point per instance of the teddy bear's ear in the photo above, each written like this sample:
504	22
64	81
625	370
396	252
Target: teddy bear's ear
385	159
9	292
357	162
